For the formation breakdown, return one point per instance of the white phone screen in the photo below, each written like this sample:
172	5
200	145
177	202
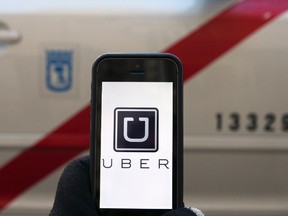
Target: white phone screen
136	145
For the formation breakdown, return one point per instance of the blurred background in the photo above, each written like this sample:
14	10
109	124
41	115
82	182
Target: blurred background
235	58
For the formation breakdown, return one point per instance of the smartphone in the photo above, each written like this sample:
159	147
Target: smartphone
137	134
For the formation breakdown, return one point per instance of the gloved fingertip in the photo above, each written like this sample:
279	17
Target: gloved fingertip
184	212
196	211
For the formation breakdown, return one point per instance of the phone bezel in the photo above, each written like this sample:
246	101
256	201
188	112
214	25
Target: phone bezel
109	73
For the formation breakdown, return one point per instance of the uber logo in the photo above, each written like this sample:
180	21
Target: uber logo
136	129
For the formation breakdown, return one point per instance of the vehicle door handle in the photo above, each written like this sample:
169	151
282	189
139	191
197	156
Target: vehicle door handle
9	36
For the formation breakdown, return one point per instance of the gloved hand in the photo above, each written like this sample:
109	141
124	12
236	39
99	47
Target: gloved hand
73	196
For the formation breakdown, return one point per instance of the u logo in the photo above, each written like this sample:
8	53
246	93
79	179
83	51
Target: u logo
135	129
146	129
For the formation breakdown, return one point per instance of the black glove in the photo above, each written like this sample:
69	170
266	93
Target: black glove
73	196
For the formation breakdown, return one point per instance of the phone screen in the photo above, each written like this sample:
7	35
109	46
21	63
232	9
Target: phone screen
136	149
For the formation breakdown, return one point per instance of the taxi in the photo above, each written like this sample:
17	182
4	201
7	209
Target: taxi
234	55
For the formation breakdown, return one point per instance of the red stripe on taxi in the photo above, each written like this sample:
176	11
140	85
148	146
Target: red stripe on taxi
223	32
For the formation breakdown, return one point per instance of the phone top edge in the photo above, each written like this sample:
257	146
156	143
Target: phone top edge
136	55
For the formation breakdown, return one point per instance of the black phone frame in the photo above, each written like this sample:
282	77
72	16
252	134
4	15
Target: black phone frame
95	122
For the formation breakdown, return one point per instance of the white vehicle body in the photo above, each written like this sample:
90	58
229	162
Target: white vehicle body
236	108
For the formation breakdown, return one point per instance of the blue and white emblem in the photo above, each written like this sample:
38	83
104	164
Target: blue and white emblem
59	70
